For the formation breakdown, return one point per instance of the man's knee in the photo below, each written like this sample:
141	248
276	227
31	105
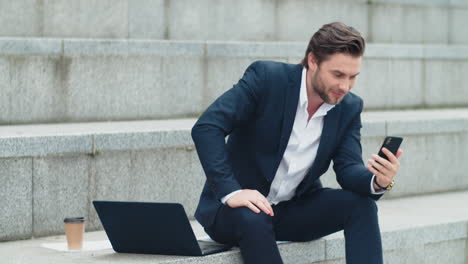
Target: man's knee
364	204
248	220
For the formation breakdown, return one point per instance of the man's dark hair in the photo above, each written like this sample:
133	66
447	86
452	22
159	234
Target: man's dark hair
334	38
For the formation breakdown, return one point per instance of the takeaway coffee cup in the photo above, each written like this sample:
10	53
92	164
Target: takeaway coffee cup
74	230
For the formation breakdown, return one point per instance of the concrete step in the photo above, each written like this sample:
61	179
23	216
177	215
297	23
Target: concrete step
392	21
55	80
424	229
49	172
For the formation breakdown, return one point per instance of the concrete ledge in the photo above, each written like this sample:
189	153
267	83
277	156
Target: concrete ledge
416	51
255	49
422	2
24	47
415	122
413	2
156	161
373	50
82	47
88	138
414	230
169	48
76	80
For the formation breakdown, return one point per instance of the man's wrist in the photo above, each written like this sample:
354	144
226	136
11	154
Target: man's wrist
380	187
225	198
376	187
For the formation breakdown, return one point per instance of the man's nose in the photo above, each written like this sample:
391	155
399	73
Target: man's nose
344	86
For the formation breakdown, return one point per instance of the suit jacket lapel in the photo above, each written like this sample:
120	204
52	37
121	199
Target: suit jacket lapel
330	126
289	113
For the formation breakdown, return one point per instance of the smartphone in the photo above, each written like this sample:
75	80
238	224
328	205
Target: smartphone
392	144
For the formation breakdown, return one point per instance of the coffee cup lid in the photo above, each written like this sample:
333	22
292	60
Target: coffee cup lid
74	220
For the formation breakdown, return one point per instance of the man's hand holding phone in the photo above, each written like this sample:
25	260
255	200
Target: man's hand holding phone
385	165
384	170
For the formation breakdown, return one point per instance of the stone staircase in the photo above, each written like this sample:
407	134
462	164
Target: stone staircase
98	99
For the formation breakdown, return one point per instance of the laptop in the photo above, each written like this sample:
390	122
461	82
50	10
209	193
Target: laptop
152	228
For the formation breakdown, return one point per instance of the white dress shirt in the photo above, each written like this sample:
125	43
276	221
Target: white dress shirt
300	152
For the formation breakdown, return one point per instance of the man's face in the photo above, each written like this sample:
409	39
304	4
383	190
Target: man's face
335	77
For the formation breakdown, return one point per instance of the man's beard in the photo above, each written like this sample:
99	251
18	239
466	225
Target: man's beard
319	87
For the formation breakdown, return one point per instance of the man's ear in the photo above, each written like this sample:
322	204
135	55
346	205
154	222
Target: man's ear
311	62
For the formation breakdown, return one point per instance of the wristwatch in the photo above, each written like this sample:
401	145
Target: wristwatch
387	188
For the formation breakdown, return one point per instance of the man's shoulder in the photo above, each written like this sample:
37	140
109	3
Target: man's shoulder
275	66
352	101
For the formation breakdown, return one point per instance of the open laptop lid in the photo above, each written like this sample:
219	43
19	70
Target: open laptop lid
148	228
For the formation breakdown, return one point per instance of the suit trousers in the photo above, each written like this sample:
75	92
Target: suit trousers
309	217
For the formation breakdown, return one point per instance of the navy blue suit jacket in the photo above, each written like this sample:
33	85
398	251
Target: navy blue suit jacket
258	114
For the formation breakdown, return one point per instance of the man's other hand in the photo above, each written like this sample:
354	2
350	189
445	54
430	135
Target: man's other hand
385	170
252	199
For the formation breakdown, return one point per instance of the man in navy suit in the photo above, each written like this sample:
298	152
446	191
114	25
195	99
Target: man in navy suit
286	123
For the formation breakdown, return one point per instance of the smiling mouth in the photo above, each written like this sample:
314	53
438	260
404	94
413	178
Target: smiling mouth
337	95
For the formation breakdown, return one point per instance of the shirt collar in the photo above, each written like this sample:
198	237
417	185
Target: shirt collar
303	101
